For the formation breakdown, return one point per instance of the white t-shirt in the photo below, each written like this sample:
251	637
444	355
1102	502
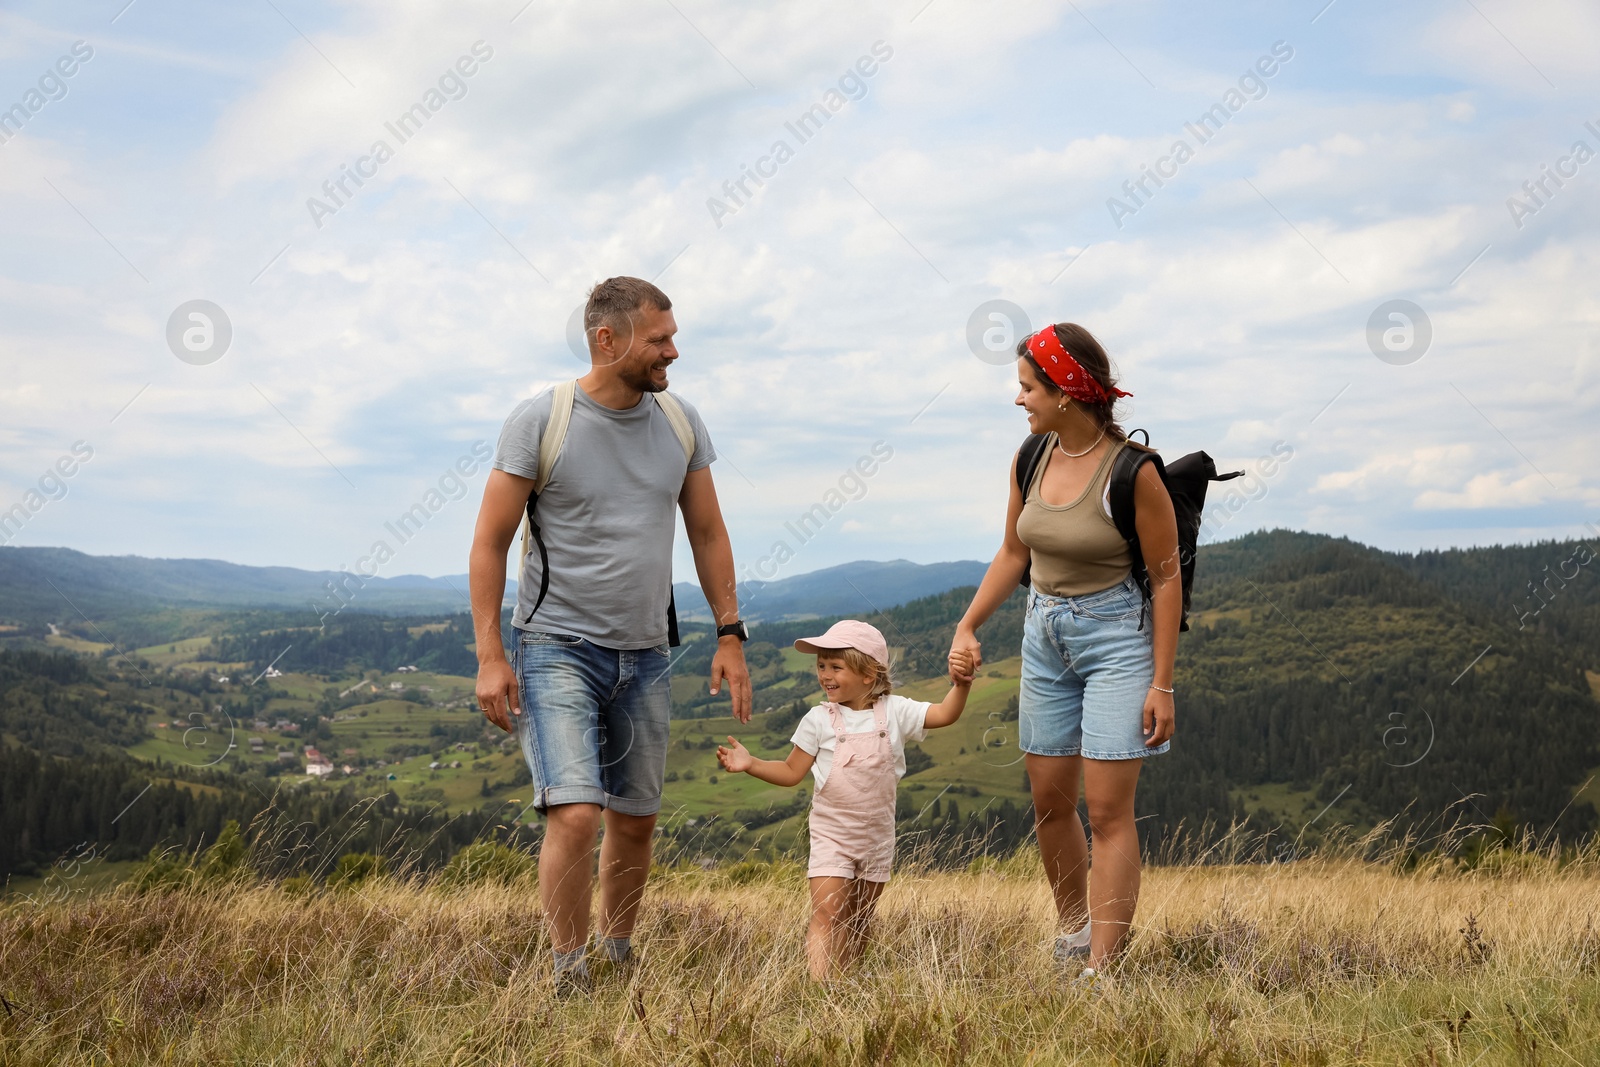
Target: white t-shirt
815	735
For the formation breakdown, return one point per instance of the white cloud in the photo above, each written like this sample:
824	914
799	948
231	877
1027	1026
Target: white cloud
410	324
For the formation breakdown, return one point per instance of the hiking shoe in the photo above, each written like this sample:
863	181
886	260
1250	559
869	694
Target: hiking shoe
1070	948
1092	981
573	982
609	970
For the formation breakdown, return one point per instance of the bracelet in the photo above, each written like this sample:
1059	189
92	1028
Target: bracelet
1158	689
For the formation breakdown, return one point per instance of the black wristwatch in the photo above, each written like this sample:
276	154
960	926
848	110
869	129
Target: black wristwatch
736	628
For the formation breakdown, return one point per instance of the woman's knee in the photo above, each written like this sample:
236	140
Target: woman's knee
1053	808
1053	781
1108	815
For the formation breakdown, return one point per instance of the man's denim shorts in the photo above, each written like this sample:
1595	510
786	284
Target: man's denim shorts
1086	670
594	721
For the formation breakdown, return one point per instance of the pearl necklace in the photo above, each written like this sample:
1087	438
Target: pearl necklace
1085	452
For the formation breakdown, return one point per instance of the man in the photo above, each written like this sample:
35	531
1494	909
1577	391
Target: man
588	687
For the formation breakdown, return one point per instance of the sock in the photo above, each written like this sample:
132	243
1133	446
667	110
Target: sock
1077	939
615	949
573	961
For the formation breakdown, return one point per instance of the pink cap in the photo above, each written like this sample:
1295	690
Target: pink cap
848	633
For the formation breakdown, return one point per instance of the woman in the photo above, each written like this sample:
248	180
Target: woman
1096	692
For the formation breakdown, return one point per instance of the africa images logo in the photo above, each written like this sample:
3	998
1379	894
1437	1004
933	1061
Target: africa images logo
1252	86
452	85
852	85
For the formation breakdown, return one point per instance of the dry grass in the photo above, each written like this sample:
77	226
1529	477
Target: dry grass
1319	962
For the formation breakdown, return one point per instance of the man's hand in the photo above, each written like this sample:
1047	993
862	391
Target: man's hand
728	665
735	759
497	693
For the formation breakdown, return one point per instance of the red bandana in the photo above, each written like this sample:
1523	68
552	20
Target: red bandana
1066	372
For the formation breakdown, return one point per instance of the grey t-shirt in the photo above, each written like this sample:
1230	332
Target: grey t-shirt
606	516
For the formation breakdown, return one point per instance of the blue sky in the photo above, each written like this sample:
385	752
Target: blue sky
831	311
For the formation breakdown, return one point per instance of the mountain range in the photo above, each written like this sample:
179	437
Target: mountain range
857	588
41	585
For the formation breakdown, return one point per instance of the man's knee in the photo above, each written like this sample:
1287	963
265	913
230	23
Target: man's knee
632	829
573	820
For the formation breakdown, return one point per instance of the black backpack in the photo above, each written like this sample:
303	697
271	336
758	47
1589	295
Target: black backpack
1186	480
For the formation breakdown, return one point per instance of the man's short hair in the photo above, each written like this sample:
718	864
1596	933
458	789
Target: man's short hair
612	301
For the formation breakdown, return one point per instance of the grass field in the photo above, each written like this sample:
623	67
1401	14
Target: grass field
1320	962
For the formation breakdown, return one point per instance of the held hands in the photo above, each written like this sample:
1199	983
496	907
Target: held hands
1158	717
736	759
966	656
962	667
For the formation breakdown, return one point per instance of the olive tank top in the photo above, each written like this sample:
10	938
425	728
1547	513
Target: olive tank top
1075	547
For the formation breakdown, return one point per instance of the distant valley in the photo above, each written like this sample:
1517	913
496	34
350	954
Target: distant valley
1325	687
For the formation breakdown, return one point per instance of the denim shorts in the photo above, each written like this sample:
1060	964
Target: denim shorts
1086	670
594	721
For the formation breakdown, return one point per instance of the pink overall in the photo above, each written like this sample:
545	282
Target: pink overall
852	815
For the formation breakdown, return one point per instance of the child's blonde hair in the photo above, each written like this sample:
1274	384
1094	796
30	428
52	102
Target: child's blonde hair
877	675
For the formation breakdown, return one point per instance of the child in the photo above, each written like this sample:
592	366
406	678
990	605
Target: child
854	745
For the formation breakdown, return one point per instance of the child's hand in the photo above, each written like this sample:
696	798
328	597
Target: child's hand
961	667
736	758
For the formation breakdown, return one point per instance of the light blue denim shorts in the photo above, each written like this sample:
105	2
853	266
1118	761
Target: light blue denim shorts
594	721
1086	669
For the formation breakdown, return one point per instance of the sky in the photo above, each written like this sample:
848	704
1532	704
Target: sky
1367	274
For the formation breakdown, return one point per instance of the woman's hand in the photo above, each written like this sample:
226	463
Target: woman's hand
961	666
1158	717
966	656
735	759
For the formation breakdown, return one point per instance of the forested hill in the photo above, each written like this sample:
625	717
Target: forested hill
1323	683
1416	687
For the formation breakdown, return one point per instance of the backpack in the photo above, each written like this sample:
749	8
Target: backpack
550	442
1186	480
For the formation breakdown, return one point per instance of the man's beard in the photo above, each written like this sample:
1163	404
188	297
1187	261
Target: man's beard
641	380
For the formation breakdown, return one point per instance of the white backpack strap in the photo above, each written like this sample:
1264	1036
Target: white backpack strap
681	426
680	422
555	431
555	434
